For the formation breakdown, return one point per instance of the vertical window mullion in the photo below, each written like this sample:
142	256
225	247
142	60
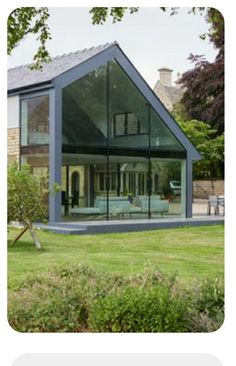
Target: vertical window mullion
108	131
149	161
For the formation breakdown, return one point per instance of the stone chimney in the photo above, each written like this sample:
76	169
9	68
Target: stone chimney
165	76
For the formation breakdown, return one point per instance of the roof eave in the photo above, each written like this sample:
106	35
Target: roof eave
31	88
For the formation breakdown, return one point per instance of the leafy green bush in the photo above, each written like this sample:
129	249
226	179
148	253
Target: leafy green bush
79	299
139	310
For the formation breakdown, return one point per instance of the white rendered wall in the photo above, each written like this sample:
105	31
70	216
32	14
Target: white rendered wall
13	110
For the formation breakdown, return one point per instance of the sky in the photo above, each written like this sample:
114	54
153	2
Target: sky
150	38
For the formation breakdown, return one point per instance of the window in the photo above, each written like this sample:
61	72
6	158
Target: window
120	124
35	121
107	182
84	120
127	124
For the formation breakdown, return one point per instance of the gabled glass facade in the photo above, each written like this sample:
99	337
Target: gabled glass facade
119	159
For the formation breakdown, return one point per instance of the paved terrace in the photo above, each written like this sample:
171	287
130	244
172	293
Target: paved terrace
200	218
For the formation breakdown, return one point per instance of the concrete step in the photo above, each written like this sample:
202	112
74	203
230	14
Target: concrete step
63	229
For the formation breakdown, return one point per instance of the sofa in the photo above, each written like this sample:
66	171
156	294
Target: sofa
117	206
157	205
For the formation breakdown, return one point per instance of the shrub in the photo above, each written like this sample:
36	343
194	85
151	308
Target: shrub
139	310
80	299
51	305
207	306
58	301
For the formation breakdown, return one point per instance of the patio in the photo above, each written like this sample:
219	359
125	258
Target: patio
200	218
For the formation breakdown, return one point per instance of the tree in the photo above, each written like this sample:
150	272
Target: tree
31	20
208	143
28	20
27	199
203	98
101	14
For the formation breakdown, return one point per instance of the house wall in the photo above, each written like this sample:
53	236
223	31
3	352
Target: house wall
13	132
205	188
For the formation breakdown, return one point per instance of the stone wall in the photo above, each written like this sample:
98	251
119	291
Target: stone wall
13	141
204	188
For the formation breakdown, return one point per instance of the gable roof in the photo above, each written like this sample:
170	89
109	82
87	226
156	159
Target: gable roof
65	69
22	76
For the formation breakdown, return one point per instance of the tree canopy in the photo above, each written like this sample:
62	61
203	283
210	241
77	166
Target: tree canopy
210	146
28	20
101	14
203	98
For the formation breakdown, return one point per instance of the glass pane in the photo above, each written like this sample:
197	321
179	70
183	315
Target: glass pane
166	197
161	137
84	118
34	121
84	187
129	181
119	124
128	111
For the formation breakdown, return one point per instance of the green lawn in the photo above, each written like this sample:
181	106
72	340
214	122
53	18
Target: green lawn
192	252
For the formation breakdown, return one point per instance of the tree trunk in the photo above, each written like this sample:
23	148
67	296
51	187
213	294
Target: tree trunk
19	235
34	237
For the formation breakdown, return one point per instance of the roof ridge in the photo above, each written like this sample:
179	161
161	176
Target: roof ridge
108	44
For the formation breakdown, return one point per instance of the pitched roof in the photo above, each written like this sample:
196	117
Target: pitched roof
23	76
173	93
68	68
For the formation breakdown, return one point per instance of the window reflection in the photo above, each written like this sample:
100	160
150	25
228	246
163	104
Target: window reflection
35	121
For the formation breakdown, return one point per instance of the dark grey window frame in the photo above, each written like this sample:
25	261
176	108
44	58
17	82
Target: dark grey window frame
29	95
126	121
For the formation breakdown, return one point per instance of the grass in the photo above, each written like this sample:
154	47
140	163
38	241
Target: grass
191	252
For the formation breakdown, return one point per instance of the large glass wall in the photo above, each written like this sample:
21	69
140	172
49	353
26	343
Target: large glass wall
120	160
84	112
131	183
95	189
161	139
167	183
128	111
85	184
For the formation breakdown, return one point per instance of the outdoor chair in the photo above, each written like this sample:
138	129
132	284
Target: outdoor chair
221	202
213	203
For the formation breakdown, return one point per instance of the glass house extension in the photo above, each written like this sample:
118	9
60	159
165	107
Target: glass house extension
92	123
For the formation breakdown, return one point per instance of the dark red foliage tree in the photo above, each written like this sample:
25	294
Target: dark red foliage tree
204	84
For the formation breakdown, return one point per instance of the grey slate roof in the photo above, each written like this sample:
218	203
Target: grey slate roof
23	76
175	94
169	95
